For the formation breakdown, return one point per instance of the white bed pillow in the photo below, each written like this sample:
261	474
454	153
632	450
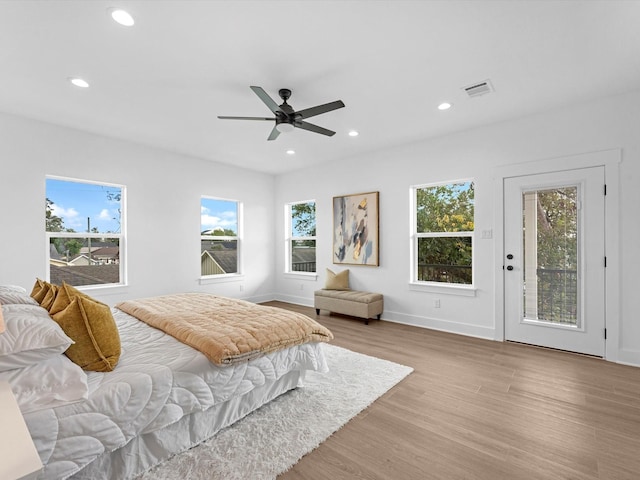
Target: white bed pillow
12	288
30	336
12	294
50	383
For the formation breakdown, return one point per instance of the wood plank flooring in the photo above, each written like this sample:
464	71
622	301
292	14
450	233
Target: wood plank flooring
481	410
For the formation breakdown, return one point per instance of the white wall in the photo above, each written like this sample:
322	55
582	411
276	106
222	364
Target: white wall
163	190
481	154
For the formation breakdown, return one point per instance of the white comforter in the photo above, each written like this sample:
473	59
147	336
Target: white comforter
157	381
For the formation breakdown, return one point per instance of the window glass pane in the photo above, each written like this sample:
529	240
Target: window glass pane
550	226
303	255
303	219
445	208
218	217
82	207
445	259
84	261
218	257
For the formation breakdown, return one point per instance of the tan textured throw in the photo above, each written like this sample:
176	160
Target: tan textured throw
226	330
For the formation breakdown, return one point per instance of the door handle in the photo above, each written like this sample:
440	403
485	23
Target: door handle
510	267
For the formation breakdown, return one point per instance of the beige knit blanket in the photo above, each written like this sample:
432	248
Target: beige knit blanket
226	330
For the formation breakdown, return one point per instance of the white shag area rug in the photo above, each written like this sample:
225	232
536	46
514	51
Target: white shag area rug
275	437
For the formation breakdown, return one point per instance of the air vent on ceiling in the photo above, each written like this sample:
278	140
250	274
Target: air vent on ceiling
478	89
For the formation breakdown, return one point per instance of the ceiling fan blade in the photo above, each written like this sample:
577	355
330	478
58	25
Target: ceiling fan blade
268	101
244	118
313	111
314	128
274	134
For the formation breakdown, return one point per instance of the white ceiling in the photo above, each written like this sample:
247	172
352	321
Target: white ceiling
163	81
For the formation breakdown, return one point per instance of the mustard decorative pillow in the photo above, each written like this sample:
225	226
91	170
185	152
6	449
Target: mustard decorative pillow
91	326
50	296
337	281
40	289
63	298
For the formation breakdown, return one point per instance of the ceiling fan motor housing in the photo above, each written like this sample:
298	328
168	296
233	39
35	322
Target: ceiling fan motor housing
284	93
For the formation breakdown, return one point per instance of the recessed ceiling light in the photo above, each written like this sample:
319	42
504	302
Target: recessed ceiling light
79	82
353	133
444	106
291	152
122	17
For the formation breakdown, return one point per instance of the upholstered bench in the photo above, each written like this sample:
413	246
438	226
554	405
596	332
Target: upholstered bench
349	302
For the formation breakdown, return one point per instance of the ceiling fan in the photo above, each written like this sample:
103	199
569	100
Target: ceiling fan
286	117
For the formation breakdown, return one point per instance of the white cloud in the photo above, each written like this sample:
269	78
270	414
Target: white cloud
64	213
104	214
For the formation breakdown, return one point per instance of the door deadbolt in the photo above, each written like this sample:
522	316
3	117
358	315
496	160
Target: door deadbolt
510	256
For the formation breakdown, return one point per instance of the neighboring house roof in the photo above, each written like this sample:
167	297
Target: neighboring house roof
106	252
227	259
85	274
96	245
81	259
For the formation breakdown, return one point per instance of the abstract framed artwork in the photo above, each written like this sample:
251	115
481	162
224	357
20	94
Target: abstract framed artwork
355	229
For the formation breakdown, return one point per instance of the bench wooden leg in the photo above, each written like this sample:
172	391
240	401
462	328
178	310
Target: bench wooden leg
317	311
379	316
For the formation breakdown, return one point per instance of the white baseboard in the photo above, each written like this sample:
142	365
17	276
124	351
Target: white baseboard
629	357
440	325
260	298
296	300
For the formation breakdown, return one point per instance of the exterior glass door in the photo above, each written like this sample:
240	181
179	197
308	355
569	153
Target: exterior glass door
554	265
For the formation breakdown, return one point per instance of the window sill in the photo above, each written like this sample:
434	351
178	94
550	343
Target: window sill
447	289
232	277
309	276
107	288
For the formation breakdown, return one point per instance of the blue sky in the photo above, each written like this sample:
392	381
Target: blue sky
218	214
74	202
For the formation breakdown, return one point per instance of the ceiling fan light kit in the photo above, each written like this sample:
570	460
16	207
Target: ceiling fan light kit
286	118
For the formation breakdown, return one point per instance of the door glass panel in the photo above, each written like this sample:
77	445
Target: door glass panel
550	234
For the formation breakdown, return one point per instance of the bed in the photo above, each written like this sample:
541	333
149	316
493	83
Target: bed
161	397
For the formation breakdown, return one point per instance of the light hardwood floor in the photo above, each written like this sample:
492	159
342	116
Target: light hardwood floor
477	409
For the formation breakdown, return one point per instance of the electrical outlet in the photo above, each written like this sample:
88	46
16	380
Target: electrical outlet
436	303
302	286
241	287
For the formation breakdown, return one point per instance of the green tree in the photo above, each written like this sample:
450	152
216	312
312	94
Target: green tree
557	253
303	216
53	223
445	208
303	223
557	231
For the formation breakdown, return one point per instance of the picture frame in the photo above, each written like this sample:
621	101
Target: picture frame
356	229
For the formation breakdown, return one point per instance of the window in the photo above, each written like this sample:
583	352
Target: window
84	224
301	236
219	237
443	233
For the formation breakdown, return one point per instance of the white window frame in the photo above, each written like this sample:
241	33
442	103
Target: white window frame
437	287
120	236
289	238
225	277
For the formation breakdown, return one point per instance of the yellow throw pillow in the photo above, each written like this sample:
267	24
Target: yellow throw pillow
50	296
40	289
337	281
91	325
64	295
